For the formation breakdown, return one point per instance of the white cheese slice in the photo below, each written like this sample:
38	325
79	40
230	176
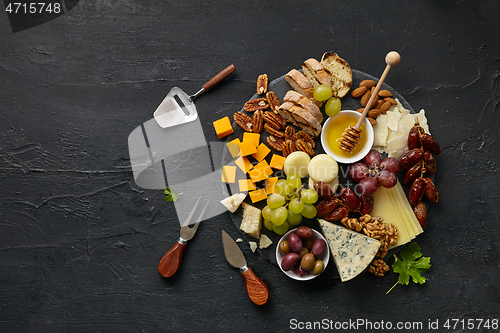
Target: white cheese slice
380	131
393	120
233	202
251	222
352	252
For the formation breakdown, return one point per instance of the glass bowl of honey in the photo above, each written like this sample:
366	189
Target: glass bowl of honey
334	127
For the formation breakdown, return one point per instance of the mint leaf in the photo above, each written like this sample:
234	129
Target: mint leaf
412	264
171	194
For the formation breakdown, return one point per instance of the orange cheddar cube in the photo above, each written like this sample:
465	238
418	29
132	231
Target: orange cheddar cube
252	137
277	162
258	195
246	185
247	148
244	164
223	127
260	171
228	174
270	182
262	151
234	147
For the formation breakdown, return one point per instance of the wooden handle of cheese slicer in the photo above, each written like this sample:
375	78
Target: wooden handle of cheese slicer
256	289
170	263
391	59
219	77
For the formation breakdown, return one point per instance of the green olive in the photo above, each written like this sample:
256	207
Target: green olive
307	262
303	252
319	266
283	246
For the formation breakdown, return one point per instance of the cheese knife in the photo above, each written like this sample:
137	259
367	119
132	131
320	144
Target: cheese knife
256	289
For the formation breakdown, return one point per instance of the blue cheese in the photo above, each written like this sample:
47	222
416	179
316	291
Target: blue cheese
352	252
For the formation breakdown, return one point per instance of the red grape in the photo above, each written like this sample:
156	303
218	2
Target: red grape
387	179
358	171
390	164
367	186
373	158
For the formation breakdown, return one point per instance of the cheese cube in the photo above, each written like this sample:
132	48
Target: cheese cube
252	137
244	164
247	148
223	127
262	151
234	147
246	185
277	162
270	182
228	174
260	171
258	195
251	223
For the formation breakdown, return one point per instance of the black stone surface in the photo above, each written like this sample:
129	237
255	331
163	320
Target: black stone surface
80	241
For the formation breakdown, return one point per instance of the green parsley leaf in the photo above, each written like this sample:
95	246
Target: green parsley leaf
411	264
171	194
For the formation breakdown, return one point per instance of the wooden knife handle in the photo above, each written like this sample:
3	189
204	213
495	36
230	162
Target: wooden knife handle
170	263
257	290
219	77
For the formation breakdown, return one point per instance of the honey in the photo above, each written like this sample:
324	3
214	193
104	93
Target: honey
334	134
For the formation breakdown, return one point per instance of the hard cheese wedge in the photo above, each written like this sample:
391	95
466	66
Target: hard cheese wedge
352	252
251	222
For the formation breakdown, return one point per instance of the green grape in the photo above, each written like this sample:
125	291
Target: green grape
275	200
294	180
268	224
309	211
333	106
294	219
289	188
279	215
282	228
309	196
322	92
266	213
280	187
296	206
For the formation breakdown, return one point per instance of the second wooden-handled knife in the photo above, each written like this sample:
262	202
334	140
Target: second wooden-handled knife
256	289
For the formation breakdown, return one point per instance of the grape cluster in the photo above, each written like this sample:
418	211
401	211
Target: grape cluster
419	162
374	171
335	208
288	204
333	104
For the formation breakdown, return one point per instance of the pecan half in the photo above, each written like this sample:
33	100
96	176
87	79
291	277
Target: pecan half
257	122
273	131
304	146
274	120
262	82
306	137
256	104
273	101
276	143
289	133
243	121
288	148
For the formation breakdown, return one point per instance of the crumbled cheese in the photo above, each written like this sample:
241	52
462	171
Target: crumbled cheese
253	246
264	241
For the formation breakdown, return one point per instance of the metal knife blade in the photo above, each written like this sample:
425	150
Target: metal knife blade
232	251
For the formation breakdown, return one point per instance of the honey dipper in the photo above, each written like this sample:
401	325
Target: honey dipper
353	132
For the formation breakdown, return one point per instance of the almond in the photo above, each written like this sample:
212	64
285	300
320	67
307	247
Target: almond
384	93
391	100
374	113
359	92
372	121
385	107
365	98
368	83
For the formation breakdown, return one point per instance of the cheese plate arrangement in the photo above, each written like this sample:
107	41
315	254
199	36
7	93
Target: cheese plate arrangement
281	172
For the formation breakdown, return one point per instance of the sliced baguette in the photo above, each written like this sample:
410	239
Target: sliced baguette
305	103
340	72
301	84
316	73
284	112
302	118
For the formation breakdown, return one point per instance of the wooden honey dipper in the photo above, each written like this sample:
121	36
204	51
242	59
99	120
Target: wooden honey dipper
351	134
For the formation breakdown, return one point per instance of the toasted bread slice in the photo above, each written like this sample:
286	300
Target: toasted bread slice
284	112
316	73
305	103
302	118
340	72
301	84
